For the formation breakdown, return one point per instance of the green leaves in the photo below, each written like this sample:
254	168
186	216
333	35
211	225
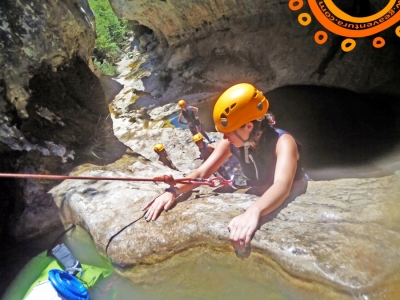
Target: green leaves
105	67
110	33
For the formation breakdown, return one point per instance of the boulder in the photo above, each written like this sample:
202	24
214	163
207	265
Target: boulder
343	233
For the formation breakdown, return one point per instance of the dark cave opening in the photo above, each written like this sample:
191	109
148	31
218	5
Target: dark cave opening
339	128
144	38
69	107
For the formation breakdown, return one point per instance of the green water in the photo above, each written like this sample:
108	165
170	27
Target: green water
195	274
205	274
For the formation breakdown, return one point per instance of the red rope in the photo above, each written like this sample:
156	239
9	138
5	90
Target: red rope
168	179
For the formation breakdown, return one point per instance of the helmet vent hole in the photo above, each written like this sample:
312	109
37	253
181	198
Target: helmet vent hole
233	105
223	116
224	122
259	106
255	95
227	110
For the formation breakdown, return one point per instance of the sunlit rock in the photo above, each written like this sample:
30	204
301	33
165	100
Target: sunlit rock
343	233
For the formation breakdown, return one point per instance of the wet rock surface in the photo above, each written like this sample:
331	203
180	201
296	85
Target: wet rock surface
342	233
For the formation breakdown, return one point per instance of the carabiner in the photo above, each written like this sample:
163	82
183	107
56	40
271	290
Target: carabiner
218	181
211	182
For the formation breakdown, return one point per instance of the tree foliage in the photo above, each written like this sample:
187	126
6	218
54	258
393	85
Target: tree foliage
110	33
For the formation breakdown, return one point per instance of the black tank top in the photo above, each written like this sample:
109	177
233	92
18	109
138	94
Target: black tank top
189	115
261	168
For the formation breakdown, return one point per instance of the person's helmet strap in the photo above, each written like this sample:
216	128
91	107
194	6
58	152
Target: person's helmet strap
246	145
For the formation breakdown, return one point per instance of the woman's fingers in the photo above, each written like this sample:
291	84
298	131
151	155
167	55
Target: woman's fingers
148	204
249	236
169	204
241	233
235	236
240	238
157	205
155	211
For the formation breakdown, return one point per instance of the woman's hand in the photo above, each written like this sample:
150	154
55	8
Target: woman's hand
242	229
157	205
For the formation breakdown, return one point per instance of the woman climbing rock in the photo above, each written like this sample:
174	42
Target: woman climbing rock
270	158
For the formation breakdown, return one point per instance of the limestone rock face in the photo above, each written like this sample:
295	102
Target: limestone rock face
67	125
343	233
52	107
141	134
33	34
210	45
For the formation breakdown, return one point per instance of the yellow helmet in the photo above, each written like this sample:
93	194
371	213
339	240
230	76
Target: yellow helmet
197	137
159	147
237	106
181	103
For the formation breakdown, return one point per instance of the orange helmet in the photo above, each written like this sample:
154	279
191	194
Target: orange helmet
238	105
181	103
197	137
159	147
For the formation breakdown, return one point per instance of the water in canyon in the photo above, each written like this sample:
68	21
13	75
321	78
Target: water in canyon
198	273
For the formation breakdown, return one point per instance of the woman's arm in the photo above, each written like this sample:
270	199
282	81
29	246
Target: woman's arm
244	226
210	166
286	165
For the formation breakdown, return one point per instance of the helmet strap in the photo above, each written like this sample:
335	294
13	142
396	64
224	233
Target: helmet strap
246	145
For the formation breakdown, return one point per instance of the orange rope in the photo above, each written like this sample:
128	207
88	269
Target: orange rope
168	179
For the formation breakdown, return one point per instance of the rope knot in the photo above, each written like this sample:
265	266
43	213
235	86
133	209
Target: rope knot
168	179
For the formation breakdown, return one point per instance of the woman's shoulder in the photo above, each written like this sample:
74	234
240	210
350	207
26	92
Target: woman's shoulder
286	144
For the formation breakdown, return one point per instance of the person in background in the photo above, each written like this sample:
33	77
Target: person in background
269	157
205	151
163	157
190	113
